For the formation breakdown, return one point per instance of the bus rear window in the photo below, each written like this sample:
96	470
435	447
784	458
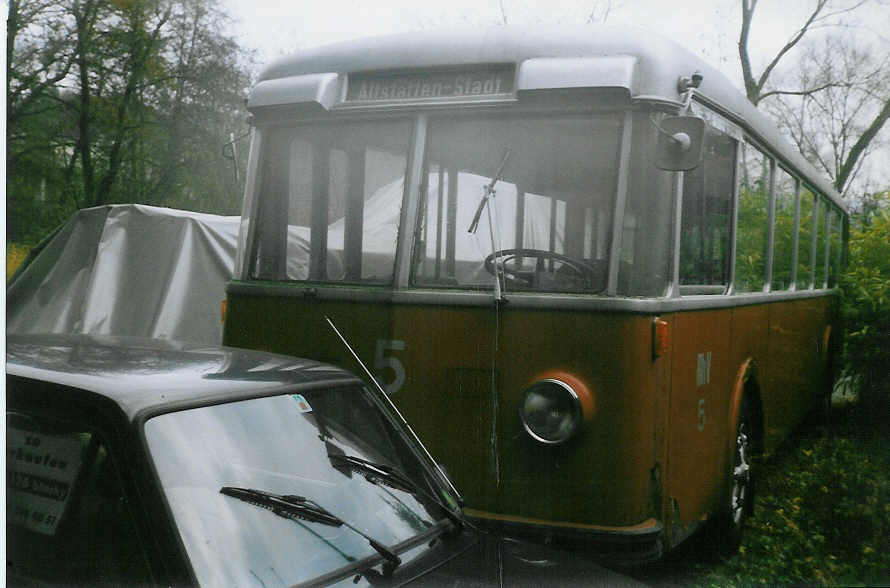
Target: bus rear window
331	196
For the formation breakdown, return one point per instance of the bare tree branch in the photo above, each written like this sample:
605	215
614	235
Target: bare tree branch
858	149
605	9
795	39
806	92
754	84
837	117
751	89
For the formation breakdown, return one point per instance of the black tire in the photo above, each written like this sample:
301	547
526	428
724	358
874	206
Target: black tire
731	522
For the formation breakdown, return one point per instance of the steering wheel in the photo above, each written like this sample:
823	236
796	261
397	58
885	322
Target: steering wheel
540	275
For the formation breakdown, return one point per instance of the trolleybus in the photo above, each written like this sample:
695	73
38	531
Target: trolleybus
590	274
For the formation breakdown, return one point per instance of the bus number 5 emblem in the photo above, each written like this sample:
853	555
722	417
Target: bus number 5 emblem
383	361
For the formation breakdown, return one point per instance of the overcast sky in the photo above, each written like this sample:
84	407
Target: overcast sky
708	27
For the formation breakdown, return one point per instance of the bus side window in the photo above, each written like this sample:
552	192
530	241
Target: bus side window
751	241
834	259
269	251
784	231
645	255
707	217
821	236
804	238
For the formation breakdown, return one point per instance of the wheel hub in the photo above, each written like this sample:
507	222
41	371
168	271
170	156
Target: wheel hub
741	475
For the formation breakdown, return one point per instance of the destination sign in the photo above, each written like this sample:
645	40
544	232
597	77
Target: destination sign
418	86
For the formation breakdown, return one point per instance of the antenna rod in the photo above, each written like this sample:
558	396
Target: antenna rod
360	362
397	411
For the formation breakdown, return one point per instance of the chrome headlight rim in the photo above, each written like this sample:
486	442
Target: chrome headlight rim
575	403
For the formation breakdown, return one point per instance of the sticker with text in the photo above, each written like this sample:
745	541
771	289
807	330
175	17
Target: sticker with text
302	403
40	471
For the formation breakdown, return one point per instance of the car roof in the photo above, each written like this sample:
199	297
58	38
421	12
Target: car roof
153	375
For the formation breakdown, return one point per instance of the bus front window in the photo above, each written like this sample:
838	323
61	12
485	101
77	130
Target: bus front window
551	212
331	196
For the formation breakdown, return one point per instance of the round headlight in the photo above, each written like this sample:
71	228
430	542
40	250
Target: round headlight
551	411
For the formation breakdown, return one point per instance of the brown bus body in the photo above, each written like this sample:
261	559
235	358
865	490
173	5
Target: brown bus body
508	230
657	446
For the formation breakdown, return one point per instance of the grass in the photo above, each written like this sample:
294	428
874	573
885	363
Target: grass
821	516
15	255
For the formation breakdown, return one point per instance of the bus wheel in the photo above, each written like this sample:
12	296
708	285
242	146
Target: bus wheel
741	499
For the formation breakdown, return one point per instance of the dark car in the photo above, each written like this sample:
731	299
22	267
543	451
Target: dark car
139	462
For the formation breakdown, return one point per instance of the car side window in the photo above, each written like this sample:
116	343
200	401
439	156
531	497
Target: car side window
68	519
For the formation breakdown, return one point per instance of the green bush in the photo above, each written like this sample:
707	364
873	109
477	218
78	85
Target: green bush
822	513
866	305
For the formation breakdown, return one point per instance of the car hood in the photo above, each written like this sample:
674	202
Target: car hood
503	561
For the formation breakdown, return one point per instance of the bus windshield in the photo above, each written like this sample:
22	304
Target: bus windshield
547	222
331	200
546	226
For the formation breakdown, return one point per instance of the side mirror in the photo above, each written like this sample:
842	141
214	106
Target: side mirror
680	143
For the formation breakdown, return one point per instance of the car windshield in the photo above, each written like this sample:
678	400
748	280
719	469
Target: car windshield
310	448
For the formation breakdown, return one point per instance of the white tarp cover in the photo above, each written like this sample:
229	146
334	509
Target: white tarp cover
129	270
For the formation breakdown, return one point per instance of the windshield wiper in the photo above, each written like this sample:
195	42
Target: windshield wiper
296	508
487	191
378	473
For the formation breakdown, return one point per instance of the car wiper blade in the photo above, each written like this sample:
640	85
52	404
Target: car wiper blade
287	506
291	506
378	473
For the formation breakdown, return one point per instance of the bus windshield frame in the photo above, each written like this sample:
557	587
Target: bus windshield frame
551	222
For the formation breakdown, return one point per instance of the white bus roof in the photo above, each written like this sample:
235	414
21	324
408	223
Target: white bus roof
646	66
